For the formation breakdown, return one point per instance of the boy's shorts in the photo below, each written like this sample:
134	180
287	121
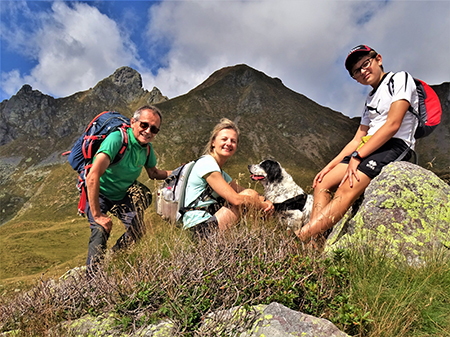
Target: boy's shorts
389	152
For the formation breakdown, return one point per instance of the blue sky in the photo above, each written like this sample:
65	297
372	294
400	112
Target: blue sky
62	47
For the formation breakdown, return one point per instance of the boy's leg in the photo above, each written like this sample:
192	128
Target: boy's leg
323	189
329	215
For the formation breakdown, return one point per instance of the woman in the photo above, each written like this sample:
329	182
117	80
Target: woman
213	200
385	133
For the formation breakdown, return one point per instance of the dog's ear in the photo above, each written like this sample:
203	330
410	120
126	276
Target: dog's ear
273	170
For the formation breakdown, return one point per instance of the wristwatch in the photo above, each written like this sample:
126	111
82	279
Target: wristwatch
356	155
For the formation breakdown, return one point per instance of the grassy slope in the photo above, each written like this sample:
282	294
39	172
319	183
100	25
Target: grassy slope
398	300
48	240
48	236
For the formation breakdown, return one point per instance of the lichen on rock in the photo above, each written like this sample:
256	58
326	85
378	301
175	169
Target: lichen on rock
406	210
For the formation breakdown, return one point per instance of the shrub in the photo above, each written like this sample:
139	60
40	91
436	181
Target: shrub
169	275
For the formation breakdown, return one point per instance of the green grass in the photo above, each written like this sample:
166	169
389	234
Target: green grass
403	300
362	291
170	276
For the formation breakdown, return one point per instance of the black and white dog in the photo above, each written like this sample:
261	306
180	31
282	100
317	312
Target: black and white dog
292	204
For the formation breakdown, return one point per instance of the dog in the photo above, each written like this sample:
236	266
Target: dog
292	205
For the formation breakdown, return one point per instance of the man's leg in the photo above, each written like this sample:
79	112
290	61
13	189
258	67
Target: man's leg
131	213
97	245
99	236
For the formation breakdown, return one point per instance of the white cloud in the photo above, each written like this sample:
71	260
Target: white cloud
75	47
11	81
414	37
302	42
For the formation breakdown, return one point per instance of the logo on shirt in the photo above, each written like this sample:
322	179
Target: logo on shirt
372	164
372	109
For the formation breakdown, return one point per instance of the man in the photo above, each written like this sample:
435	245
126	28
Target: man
113	188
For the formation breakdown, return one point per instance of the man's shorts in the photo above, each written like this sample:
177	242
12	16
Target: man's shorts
389	152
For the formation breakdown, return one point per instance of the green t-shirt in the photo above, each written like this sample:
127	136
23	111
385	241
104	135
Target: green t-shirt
117	178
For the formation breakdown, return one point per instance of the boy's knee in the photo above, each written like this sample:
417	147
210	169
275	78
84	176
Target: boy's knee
322	190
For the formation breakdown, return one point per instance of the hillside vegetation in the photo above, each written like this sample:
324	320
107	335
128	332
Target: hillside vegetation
171	277
41	236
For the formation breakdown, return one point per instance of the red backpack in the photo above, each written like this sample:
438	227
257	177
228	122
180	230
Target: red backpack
430	111
428	114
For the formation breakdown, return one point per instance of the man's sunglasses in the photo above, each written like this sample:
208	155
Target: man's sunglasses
145	126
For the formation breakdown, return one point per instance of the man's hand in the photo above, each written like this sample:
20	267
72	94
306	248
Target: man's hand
155	173
104	221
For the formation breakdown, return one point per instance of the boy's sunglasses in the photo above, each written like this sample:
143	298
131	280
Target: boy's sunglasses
145	126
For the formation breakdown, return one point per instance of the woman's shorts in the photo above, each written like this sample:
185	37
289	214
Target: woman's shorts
389	152
206	228
211	225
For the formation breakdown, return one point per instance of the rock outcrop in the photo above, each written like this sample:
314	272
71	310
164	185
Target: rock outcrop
30	114
405	211
274	320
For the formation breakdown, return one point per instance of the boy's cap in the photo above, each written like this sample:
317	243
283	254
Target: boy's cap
349	61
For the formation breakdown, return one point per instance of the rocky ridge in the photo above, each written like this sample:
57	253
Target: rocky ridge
32	115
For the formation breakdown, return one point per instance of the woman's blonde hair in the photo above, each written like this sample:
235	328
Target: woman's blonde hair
224	123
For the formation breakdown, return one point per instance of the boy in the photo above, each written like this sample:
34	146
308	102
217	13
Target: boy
386	131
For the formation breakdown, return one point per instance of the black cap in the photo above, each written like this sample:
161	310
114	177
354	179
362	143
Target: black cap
362	49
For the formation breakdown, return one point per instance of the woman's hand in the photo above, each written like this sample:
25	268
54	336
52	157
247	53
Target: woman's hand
269	206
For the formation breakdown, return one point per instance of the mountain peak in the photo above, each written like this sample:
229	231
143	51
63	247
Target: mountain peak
27	91
125	80
240	75
126	76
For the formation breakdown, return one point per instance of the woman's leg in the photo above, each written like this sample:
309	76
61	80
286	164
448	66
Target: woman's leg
228	215
327	216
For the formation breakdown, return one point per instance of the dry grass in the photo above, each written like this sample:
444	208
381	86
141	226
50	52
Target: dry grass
169	275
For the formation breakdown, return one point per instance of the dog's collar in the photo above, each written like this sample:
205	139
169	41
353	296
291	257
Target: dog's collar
297	202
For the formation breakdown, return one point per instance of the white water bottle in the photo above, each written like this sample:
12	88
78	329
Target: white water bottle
167	193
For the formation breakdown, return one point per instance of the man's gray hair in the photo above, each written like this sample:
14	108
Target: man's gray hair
154	109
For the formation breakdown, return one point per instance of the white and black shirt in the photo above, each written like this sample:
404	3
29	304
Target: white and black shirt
393	87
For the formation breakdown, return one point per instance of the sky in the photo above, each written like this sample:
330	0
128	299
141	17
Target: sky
63	47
